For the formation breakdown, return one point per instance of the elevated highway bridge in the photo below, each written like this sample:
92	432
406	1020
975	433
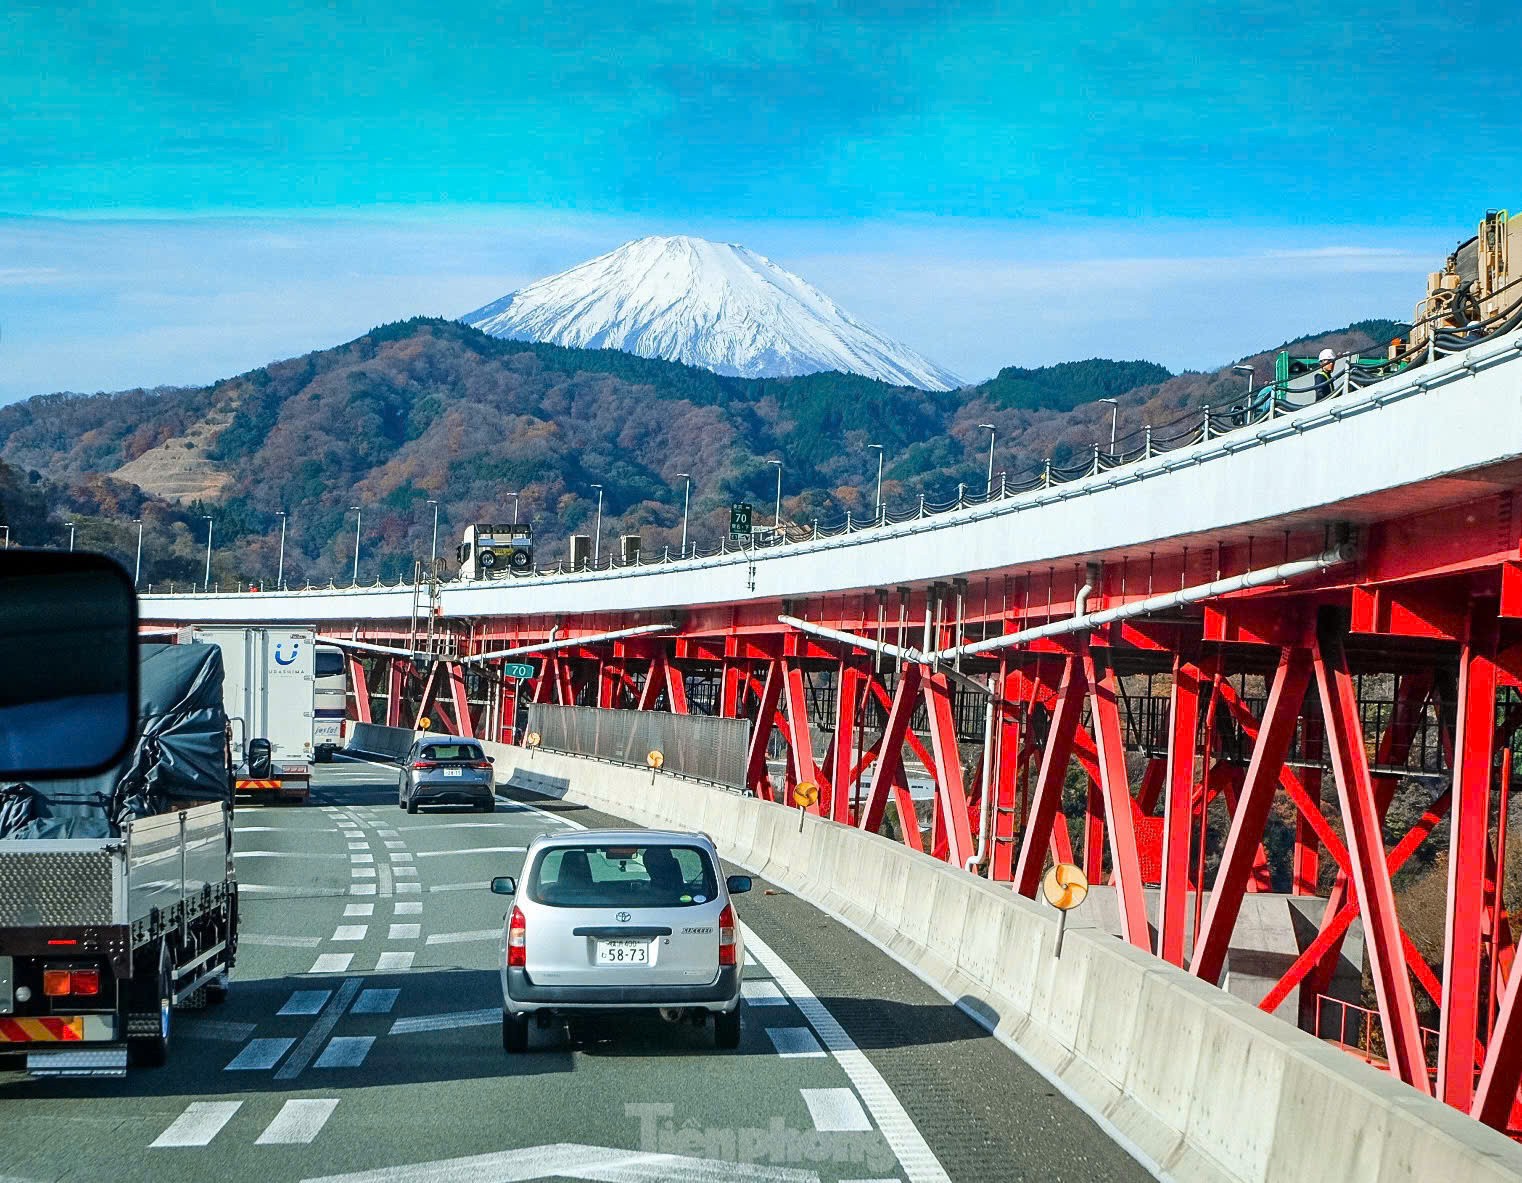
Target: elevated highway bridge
1283	661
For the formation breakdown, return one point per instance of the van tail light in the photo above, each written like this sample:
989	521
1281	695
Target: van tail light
517	932
423	765
727	935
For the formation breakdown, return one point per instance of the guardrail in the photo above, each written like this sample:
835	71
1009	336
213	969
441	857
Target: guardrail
697	746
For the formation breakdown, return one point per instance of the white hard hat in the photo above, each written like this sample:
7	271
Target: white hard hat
1326	355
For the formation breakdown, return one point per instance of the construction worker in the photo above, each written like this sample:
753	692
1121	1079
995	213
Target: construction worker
1326	359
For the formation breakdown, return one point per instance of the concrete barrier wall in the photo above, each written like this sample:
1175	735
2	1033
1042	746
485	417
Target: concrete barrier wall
1199	1084
375	740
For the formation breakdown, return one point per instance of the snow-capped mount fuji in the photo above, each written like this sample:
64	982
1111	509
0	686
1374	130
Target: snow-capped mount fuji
711	304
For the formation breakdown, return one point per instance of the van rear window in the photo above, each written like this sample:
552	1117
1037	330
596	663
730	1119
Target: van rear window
656	875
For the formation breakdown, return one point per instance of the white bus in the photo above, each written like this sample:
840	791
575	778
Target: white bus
329	702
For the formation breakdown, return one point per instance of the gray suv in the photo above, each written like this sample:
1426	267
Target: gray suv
621	920
446	770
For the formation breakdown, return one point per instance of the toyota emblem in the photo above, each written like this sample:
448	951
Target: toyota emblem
622	917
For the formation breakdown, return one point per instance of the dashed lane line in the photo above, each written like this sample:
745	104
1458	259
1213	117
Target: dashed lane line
199	1124
407	907
351	910
259	1055
218	1030
345	1051
836	1110
296	1063
306	1002
393	962
259	938
460	938
794	1043
470	850
350	932
298	1122
331	963
375	1002
447	1022
761	993
404	932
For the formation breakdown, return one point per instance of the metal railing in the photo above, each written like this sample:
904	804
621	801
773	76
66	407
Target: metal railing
699	746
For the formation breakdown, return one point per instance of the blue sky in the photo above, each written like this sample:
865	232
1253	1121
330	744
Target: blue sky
191	190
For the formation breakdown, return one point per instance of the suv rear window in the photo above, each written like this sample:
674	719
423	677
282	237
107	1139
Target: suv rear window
658	875
451	751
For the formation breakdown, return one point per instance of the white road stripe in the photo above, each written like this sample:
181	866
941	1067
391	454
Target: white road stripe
361	889
394	961
404	932
904	1138
361	858
395	845
286	854
472	850
220	1030
359	910
362	872
834	1110
305	1002
298	1060
408	888
259	938
794	1042
346	1051
359	846
401	872
298	1122
460	938
476	886
350	932
464	1018
570	1160
408	907
375	1002
199	1124
762	994
399	856
331	963
259	1055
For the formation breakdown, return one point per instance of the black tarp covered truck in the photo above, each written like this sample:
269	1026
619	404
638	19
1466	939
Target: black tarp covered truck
118	901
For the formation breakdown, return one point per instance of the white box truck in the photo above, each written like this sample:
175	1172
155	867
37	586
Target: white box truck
269	689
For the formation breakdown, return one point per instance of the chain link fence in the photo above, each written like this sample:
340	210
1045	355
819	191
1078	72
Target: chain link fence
699	746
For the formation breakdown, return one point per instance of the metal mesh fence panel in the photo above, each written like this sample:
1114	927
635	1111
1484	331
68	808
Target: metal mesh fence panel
699	746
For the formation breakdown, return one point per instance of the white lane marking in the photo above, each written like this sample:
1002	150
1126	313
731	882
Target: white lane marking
762	994
402	872
387	882
359	846
305	1002
476	886
460	938
393	961
266	829
472	850
794	1042
345	1051
903	1136
291	891
259	938
404	932
362	872
350	932
359	910
284	854
296	1063
400	856
464	1018
386	833
569	1160
834	1110
220	1030
554	819
259	1055
199	1124
331	963
375	1002
358	859
361	889
408	907
298	1122
471	825
408	888
395	846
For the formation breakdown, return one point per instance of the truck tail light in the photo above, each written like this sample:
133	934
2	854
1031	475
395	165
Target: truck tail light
55	982
517	934
85	981
727	935
343	728
423	765
60	983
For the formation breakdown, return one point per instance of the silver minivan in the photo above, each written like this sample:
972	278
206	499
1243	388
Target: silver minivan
621	920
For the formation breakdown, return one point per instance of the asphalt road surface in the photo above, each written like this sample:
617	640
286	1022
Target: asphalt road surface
361	1042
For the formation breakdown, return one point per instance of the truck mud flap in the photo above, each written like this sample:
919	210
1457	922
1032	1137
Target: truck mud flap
105	1061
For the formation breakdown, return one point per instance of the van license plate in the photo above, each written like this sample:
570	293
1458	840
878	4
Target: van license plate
452	772
623	952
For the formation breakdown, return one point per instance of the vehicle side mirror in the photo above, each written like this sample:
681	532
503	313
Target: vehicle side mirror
504	885
491	759
69	648
738	884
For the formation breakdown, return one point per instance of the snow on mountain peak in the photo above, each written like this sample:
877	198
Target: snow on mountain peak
711	304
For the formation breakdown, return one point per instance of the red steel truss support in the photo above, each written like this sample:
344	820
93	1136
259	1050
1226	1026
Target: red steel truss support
1469	844
1178	809
1119	810
1371	874
676	688
953	822
1009	773
425	700
361	689
766	718
462	720
801	766
843	776
887	773
396	681
1238	859
1046	801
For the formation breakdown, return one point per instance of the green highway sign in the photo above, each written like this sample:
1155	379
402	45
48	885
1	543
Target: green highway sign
517	669
739	519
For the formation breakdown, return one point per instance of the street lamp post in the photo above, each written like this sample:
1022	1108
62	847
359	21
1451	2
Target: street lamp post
358	515
206	579
514	496
280	569
686	506
993	434
1114	405
777	514
433	552
597	533
137	571
70	525
7	530
877	503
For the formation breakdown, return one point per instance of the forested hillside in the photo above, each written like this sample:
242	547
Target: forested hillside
431	409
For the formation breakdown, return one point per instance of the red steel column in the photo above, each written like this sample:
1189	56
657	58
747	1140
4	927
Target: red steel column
1240	855
801	750
848	695
1178	810
1467	849
396	681
761	733
1119	811
1046	801
463	724
361	690
887	773
951	797
1503	1060
1371	875
1007	774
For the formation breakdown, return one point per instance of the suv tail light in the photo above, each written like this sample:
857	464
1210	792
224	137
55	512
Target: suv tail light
727	935
485	765
517	932
423	765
